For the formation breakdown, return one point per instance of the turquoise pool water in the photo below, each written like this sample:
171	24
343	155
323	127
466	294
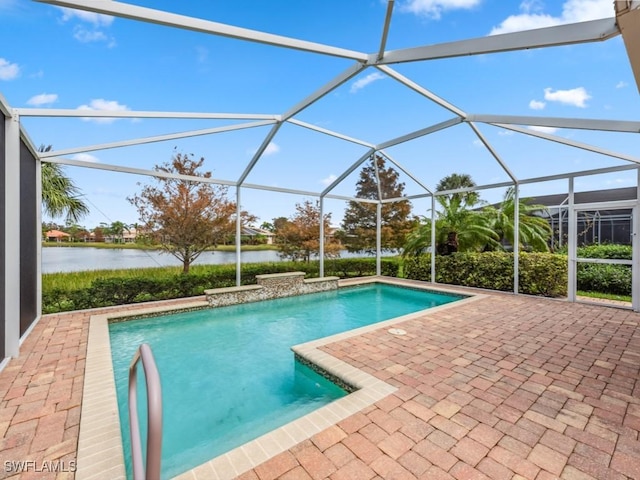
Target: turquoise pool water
228	374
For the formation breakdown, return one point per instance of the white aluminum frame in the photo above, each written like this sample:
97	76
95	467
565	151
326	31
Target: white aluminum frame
635	245
626	22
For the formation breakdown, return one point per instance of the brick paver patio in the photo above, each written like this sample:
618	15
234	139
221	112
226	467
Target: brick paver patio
504	387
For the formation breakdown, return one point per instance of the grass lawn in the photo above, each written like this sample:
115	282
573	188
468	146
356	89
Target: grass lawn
606	296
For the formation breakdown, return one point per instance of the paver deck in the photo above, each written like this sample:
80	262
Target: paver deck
503	387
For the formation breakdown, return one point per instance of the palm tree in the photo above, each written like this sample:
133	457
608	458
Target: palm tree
456	181
457	229
60	196
534	231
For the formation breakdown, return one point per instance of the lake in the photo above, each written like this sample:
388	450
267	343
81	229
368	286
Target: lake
76	259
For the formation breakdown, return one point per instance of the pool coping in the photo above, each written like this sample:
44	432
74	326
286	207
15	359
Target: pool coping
100	448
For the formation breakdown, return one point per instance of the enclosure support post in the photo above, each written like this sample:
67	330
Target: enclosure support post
378	237
635	252
321	236
516	238
573	248
433	239
238	239
12	236
39	230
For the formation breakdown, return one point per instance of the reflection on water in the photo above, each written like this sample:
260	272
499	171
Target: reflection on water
69	259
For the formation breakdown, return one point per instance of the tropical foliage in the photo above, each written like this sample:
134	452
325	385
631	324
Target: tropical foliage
60	196
463	225
534	232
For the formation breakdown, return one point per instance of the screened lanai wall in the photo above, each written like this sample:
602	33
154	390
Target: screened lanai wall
20	161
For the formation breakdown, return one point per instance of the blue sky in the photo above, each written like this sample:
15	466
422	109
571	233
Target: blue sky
58	58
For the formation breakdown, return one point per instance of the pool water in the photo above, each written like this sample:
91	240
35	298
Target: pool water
228	374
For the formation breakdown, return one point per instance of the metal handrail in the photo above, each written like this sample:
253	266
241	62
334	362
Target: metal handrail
154	416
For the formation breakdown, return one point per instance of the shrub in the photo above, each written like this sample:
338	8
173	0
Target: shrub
127	286
539	273
597	277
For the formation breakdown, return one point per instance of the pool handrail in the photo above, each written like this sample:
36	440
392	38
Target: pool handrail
154	416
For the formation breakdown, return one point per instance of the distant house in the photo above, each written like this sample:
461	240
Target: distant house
255	232
57	236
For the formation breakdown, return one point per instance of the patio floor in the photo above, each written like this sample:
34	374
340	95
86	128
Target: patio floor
503	387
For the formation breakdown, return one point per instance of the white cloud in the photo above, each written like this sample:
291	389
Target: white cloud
537	128
271	149
575	97
505	133
572	11
85	157
8	71
42	99
434	8
478	143
100	104
86	36
622	84
329	180
537	105
90	27
363	82
618	181
96	19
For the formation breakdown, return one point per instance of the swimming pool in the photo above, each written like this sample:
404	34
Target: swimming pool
242	379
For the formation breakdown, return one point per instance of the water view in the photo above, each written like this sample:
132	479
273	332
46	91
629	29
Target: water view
66	259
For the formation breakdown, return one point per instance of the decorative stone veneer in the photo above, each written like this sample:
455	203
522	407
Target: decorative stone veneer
275	285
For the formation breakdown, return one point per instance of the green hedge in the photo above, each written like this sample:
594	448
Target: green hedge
117	290
596	277
540	273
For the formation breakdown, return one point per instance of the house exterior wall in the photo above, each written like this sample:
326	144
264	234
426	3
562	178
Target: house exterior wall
29	236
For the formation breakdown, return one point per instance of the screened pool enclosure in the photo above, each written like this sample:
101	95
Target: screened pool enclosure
323	116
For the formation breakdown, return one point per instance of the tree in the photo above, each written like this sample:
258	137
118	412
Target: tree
457	181
299	236
359	223
534	231
458	226
186	217
60	196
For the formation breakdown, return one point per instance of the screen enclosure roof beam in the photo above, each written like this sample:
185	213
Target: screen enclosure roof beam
138	171
568	34
330	132
157	138
557	122
385	29
79	113
405	171
421	90
420	133
347	172
492	151
263	146
324	90
159	17
566	141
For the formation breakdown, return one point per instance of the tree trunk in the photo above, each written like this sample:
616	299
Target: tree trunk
185	266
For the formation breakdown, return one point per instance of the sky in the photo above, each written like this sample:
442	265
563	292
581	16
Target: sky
52	57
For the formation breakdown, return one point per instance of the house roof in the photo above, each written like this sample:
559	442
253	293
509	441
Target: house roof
56	234
593	196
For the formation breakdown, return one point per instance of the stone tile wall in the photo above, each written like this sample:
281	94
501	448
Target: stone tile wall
276	285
